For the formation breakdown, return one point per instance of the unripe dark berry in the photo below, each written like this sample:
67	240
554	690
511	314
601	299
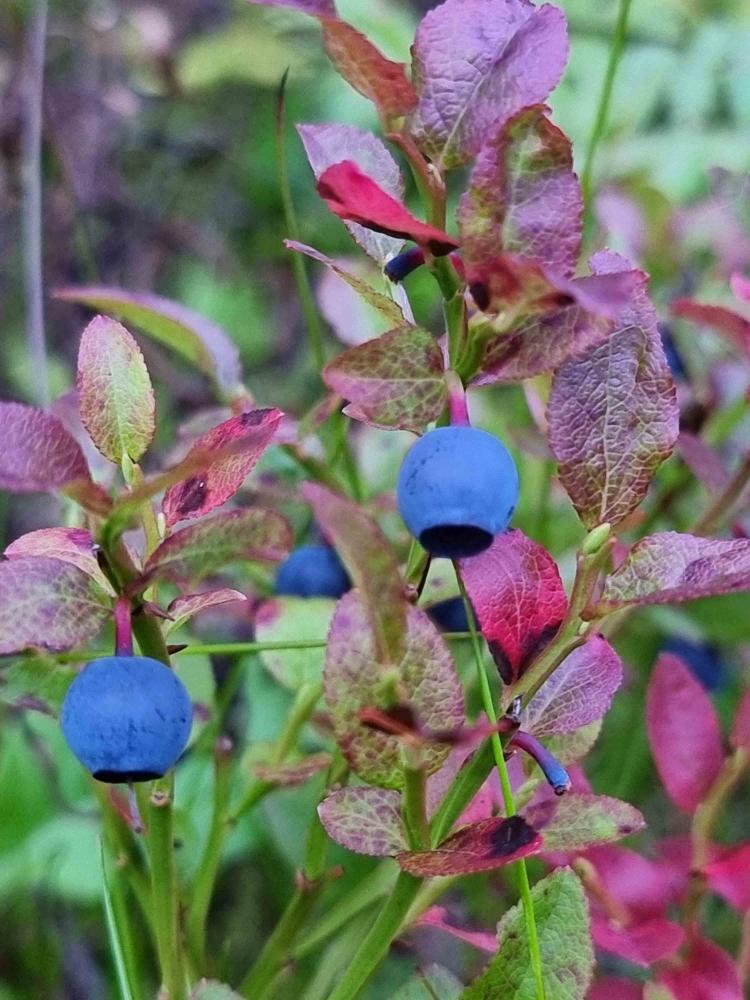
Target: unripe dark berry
449	615
127	718
313	571
457	489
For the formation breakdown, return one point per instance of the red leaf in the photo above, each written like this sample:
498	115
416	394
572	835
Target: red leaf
683	732
518	596
740	736
643	943
437	918
248	434
729	876
644	887
355	197
708	973
726	321
481	847
615	989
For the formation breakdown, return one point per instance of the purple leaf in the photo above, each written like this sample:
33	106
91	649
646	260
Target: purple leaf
579	692
523	196
371	564
477	63
293	772
365	68
518	597
706	464
577	821
114	391
207	546
39	455
726	321
316	8
197	339
183	608
707	972
48	604
480	847
69	545
245	437
437	917
615	989
395	381
354	680
669	567
729	876
326	145
683	731
365	820
383	303
356	197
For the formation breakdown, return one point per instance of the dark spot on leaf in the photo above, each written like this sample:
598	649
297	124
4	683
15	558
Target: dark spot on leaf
251	418
510	836
480	295
191	496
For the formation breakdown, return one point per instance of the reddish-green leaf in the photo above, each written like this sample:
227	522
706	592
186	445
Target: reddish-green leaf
669	567
523	196
356	197
613	418
183	608
476	63
198	340
518	596
317	8
114	391
683	730
578	693
367	70
293	772
365	820
576	821
726	321
328	144
48	604
355	678
395	381
371	564
70	545
479	847
238	443
200	549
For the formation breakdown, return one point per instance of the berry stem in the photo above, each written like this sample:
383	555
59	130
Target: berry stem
123	627
457	403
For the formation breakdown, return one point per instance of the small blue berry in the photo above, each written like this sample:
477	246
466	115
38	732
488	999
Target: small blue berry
313	571
703	659
449	615
127	718
457	489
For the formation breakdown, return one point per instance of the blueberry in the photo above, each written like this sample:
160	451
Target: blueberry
127	718
703	659
449	615
401	267
457	489
674	359
313	571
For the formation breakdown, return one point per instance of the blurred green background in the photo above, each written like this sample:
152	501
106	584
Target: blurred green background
159	173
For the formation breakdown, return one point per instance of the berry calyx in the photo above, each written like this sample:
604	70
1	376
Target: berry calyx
127	718
313	571
457	489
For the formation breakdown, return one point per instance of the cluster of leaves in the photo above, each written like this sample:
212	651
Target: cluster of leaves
516	308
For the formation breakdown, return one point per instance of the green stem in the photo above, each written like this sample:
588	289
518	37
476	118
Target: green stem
510	807
164	894
414	808
602	112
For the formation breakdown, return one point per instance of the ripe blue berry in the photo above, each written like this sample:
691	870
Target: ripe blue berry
313	571
127	718
457	489
449	615
703	659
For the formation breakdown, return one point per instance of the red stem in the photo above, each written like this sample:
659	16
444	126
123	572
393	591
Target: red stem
457	401
123	627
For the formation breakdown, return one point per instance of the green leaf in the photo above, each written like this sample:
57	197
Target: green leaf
115	396
209	989
284	619
432	983
567	955
35	682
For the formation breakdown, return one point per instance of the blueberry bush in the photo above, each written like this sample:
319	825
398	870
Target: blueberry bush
428	680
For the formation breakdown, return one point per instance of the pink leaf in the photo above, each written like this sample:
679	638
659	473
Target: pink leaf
316	8
643	886
371	564
523	196
704	462
707	973
740	285
615	989
114	391
740	736
477	63
437	918
729	876
613	417
395	381
365	68
518	598
642	943
356	197
726	321
489	844
579	692
183	608
48	604
69	545
246	437
327	144
353	677
669	567
365	820
683	731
